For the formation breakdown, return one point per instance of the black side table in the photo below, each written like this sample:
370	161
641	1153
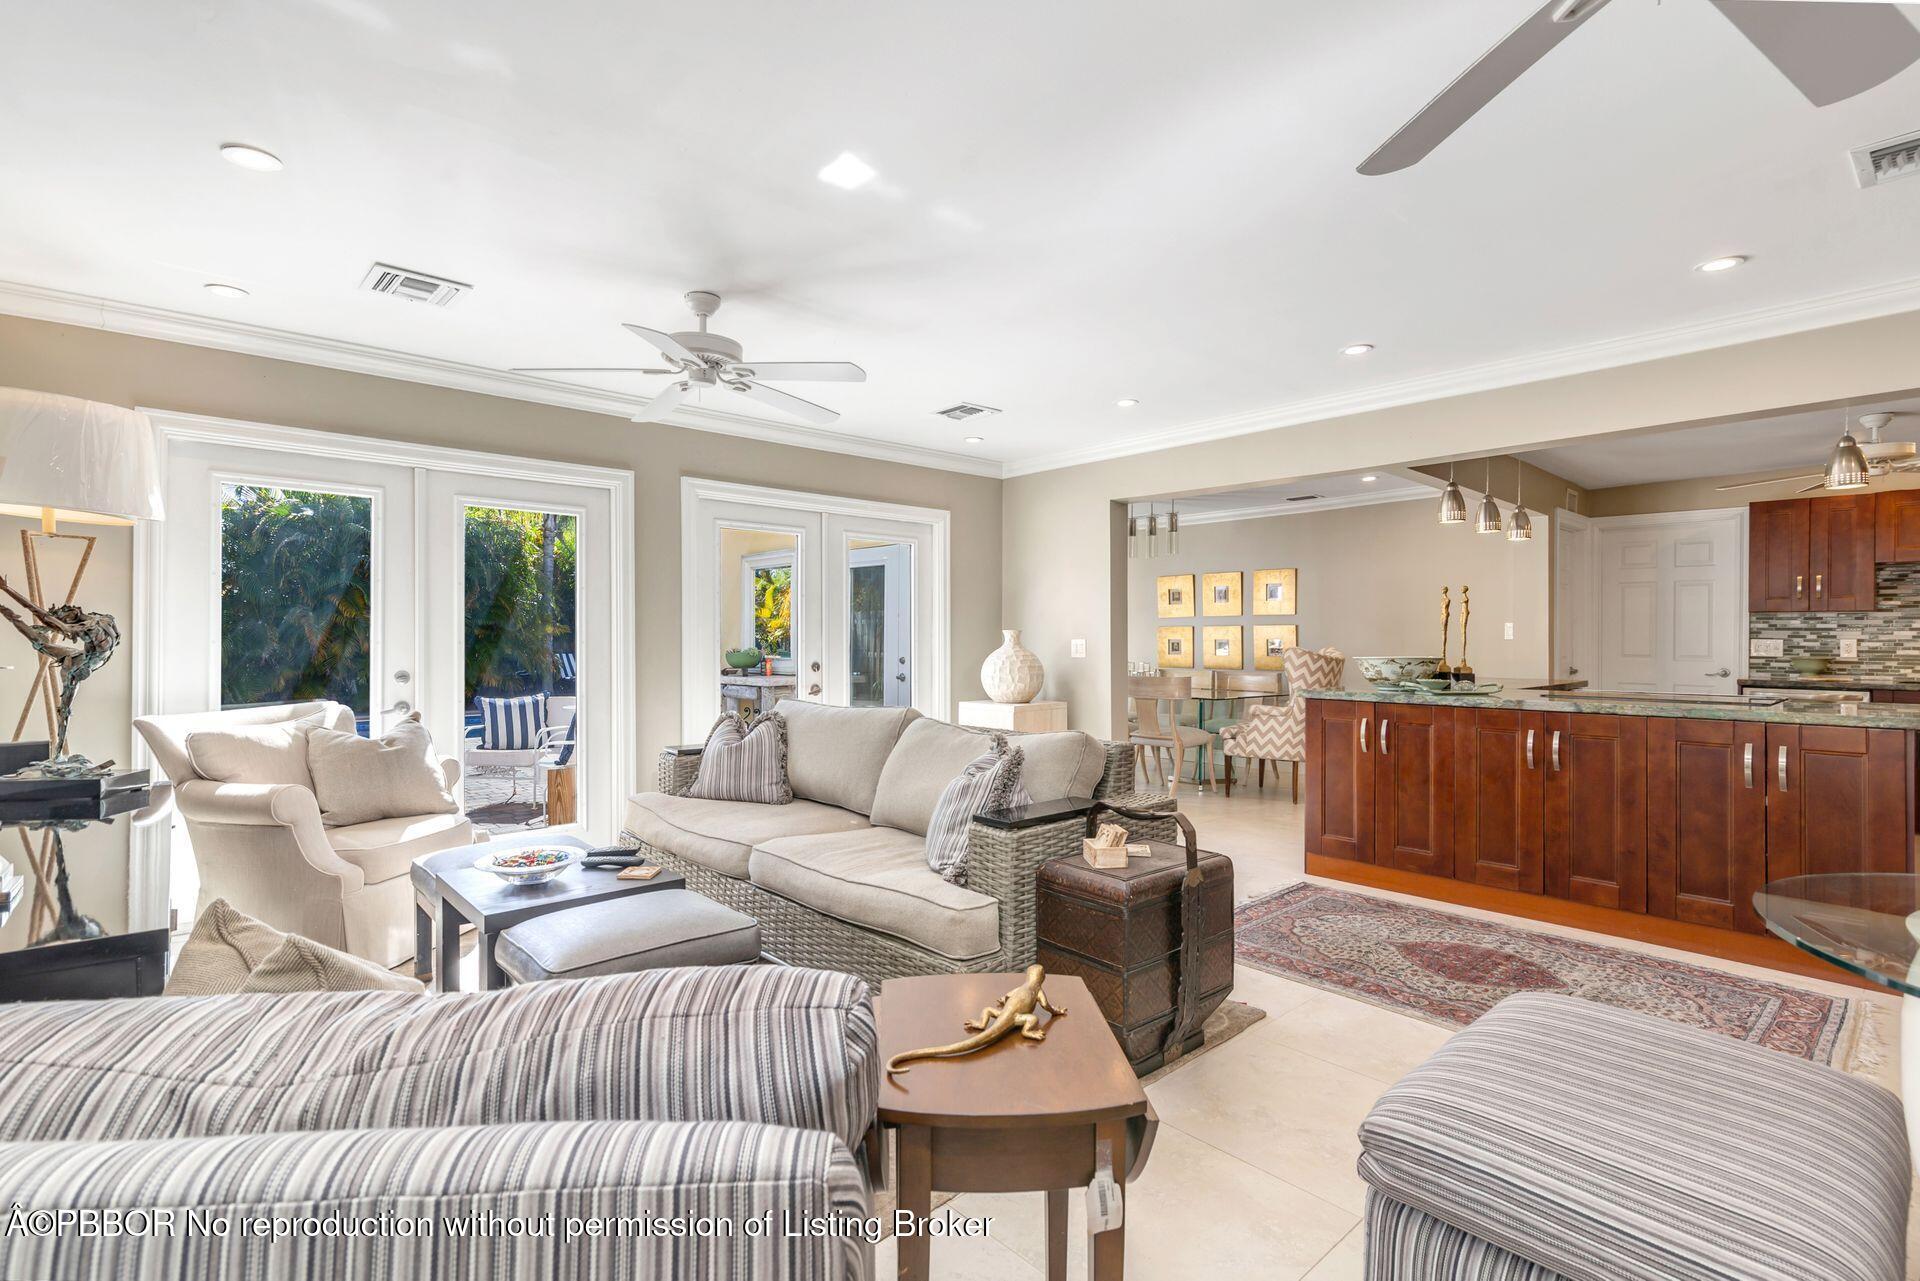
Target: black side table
448	891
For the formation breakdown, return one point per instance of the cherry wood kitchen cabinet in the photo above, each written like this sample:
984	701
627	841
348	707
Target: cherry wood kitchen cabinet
1838	800
1777	551
1499	802
1340	779
1841	537
1897	526
1706	821
1596	816
1413	787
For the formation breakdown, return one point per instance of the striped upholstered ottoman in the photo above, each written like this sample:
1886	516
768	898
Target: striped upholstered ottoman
1557	1138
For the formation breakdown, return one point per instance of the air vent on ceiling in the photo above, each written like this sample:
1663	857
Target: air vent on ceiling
414	286
965	410
1304	498
1885	161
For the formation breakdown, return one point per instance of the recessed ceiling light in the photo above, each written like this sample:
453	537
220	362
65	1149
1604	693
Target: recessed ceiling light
225	291
976	440
1126	402
848	171
1727	263
251	158
1356	349
1368	480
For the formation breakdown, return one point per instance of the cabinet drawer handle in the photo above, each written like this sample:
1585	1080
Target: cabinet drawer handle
1553	751
1363	732
1746	765
1816	583
1385	725
1529	749
1783	769
1799	584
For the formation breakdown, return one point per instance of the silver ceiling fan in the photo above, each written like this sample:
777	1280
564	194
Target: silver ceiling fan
699	359
1851	464
1830	50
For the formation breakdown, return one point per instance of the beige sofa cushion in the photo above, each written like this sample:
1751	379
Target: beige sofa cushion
274	753
719	835
879	879
931	754
835	754
302	965
359	780
221	952
386	847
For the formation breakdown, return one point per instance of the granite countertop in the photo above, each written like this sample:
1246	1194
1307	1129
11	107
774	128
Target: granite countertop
1790	711
1831	680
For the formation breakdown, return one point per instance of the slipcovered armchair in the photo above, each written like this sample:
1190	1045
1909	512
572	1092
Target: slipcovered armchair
261	845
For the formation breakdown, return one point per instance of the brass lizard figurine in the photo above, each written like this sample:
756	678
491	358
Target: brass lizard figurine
1013	1012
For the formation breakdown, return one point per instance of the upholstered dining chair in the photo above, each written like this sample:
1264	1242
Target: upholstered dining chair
1278	733
1157	735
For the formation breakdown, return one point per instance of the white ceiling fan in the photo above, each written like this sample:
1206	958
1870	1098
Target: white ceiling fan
1874	458
1830	50
701	359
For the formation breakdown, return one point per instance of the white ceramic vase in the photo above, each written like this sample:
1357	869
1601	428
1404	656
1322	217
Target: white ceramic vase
1012	673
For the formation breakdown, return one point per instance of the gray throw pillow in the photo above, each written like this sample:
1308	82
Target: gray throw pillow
358	780
745	759
990	782
302	965
221	953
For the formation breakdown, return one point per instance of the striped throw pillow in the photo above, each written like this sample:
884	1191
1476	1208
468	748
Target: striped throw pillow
512	724
990	782
745	759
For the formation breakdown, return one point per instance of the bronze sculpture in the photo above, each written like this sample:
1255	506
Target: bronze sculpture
1012	1012
76	643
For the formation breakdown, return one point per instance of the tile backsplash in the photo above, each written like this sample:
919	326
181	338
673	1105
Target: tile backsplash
1889	635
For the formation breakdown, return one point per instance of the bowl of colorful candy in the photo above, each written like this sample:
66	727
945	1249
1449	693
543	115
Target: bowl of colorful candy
529	864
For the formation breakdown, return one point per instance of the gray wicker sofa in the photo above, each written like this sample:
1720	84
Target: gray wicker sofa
838	879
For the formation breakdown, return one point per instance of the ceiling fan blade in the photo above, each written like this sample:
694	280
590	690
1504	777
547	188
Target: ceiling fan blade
1829	51
666	344
1480	84
816	371
664	403
789	404
586	369
1777	480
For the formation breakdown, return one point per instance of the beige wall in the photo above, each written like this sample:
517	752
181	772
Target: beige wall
1061	527
1369	583
137	371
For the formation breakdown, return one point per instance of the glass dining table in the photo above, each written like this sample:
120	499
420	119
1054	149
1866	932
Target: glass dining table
1208	700
1868	924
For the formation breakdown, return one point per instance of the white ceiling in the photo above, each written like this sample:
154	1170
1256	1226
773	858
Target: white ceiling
1778	443
1077	201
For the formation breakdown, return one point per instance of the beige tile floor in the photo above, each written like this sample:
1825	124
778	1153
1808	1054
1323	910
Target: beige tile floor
1252	1175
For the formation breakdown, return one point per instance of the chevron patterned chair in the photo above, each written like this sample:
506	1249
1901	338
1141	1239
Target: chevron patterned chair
1278	732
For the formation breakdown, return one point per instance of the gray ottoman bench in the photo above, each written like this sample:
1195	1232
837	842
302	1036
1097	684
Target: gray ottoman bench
1557	1138
655	931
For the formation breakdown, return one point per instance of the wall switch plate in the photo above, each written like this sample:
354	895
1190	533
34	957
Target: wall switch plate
1849	647
1077	648
1759	648
1509	631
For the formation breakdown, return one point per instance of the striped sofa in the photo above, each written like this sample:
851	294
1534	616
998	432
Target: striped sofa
1557	1138
630	1101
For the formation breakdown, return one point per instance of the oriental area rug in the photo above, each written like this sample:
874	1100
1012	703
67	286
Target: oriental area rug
1450	969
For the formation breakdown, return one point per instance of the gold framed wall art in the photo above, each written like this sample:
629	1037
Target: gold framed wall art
1221	646
1268	642
1176	646
1176	595
1220	594
1276	591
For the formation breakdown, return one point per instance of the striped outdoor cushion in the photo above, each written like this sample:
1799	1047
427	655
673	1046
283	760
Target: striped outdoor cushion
745	759
512	724
990	782
566	666
1603	1143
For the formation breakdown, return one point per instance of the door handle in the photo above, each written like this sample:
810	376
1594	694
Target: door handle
899	676
1385	725
813	690
1799	584
1529	749
398	709
1816	583
1363	732
1783	768
1746	765
1553	751
1723	672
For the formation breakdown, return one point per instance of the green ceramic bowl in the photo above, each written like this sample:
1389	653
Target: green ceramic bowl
743	658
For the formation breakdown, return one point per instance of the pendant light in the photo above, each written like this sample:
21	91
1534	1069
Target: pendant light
1453	504
1488	521
1153	532
1846	465
1133	534
1173	531
1521	530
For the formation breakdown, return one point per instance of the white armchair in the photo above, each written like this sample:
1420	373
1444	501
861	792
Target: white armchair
262	847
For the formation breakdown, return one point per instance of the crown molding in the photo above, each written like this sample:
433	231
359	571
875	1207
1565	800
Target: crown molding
1260	511
35	302
1867	303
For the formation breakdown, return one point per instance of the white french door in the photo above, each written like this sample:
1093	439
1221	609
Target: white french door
297	565
845	599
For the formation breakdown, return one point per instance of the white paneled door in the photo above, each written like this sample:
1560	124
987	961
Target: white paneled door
1671	613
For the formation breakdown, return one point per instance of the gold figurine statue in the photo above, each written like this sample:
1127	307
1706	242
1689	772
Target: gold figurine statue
1014	1012
1444	671
1462	672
